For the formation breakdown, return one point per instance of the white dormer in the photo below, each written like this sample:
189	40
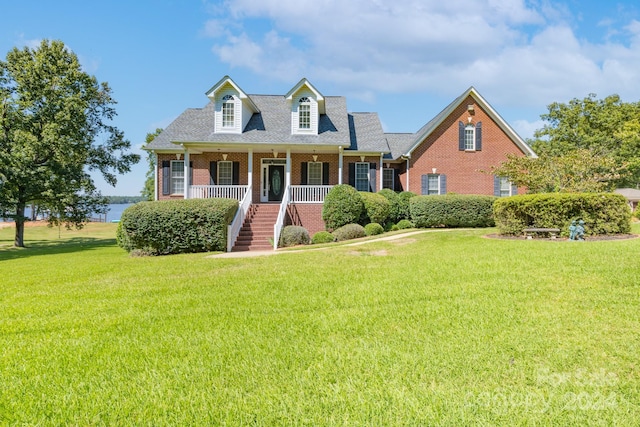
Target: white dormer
233	107
306	106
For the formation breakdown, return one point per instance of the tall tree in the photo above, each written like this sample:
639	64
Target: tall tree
148	191
607	127
55	128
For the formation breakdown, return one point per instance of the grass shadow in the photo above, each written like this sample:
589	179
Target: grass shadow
49	247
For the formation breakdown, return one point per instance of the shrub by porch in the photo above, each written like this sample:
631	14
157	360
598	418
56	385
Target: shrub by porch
176	226
452	211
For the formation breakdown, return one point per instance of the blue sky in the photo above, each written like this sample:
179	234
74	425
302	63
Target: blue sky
404	59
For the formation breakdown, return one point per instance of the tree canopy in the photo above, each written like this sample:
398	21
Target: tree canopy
55	129
585	145
607	128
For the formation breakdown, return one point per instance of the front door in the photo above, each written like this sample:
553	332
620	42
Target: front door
276	182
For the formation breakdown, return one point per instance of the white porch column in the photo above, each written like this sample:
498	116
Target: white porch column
381	172
288	168
186	174
340	164
155	180
408	159
250	166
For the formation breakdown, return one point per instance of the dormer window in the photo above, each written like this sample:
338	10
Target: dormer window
304	113
228	111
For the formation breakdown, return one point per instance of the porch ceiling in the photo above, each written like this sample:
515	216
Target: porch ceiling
196	148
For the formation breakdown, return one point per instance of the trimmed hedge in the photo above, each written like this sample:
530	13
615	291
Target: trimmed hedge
348	232
403	224
404	211
603	213
293	235
376	208
322	237
394	204
373	229
452	210
342	205
176	226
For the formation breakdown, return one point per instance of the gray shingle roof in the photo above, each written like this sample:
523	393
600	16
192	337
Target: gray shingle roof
366	133
272	125
399	143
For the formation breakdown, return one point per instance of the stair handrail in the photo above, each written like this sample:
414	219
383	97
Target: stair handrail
233	230
277	227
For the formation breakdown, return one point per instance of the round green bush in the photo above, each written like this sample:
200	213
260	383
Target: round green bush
403	205
293	235
342	205
348	232
373	229
394	204
376	208
403	224
322	237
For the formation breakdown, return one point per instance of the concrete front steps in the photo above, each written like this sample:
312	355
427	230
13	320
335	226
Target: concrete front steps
257	231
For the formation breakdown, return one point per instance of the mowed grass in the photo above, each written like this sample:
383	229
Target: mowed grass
440	328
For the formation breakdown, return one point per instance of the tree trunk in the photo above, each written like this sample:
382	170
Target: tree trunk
19	221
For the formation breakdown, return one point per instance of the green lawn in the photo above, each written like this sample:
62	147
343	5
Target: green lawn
441	328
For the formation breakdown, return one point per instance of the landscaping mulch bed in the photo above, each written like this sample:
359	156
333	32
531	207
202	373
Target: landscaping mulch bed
565	239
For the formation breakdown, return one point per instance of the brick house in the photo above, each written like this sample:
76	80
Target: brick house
280	154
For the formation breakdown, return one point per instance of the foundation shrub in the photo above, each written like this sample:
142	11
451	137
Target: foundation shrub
373	229
603	213
403	204
348	232
394	204
342	205
452	210
403	224
376	208
322	237
293	235
176	226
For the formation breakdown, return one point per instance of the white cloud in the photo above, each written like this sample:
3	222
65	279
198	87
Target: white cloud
520	53
525	128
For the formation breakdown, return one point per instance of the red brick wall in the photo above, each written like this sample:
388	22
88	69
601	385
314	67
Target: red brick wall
308	216
462	168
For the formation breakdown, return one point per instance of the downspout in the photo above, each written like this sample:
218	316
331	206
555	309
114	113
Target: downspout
340	164
408	165
155	179
381	172
186	174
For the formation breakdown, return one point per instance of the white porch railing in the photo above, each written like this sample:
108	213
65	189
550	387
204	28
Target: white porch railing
277	227
309	193
237	192
233	230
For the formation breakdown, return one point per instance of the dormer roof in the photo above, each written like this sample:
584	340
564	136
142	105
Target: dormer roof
222	83
304	83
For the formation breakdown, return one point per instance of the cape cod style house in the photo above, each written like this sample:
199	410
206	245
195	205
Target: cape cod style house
279	155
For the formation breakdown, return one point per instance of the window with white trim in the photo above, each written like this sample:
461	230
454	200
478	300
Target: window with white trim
388	176
314	173
469	137
304	113
225	172
433	184
362	176
505	186
228	113
177	177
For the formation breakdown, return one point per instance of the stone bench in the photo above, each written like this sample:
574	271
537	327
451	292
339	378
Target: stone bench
530	232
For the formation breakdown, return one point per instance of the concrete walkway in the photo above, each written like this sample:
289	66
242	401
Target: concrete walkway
251	254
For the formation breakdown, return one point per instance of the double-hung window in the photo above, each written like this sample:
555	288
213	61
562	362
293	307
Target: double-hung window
228	112
225	173
433	184
362	176
304	113
177	177
470	137
314	173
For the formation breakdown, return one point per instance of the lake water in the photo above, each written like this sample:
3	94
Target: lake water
113	214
